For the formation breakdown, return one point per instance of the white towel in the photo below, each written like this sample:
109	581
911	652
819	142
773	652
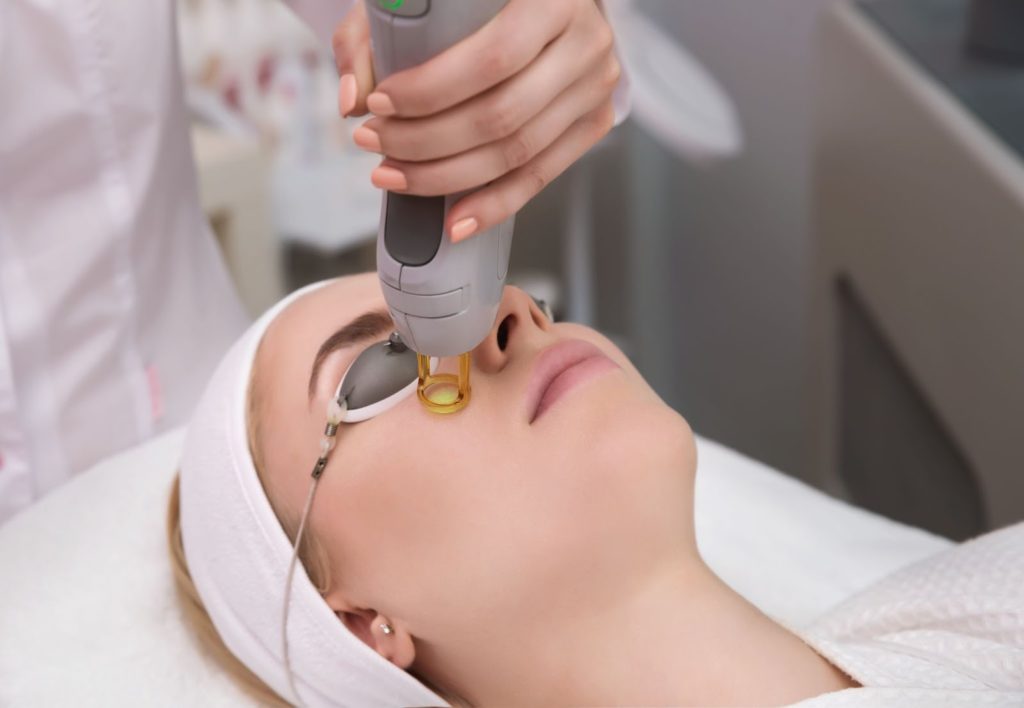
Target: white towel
946	631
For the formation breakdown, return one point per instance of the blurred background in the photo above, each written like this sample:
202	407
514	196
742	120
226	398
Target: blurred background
809	235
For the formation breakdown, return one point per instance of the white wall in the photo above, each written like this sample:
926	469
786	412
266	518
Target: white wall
737	307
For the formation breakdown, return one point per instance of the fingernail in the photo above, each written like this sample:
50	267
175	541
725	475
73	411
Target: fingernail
367	139
389	178
349	91
380	104
464	228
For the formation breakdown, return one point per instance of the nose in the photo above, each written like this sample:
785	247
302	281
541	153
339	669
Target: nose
520	321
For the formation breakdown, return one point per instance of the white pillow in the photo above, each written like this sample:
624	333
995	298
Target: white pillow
89	617
788	548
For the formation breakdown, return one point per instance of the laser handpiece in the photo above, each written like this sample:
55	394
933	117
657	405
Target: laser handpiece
443	296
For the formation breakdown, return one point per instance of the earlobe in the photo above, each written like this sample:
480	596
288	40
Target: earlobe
384	636
393	642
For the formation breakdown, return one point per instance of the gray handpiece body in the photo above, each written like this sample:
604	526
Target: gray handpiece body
444	297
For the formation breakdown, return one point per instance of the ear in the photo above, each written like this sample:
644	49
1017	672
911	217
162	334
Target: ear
397	647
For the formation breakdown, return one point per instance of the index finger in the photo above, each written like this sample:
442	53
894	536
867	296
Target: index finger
498	50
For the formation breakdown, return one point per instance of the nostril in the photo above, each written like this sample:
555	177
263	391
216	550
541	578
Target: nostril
503	330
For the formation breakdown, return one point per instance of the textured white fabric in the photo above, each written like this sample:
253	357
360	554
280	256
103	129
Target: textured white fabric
946	631
238	556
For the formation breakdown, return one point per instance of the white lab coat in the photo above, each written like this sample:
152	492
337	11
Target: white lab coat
115	304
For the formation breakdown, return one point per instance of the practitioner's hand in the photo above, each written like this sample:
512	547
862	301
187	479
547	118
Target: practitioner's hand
511	107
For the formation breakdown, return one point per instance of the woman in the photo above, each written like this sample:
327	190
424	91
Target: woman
535	549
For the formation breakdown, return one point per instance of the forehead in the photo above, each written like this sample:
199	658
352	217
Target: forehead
319	313
290	343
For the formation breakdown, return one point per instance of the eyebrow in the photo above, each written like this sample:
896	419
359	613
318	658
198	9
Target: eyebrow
375	323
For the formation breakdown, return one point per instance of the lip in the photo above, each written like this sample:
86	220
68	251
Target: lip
560	369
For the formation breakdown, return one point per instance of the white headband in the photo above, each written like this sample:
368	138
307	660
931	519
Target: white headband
238	557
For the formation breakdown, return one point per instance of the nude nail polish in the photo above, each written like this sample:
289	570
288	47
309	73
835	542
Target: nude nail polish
348	93
389	178
380	104
367	139
464	228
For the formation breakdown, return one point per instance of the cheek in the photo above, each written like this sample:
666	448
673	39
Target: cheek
405	505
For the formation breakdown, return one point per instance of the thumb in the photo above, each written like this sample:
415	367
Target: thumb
354	61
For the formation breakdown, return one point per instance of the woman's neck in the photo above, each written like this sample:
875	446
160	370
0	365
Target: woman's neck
684	638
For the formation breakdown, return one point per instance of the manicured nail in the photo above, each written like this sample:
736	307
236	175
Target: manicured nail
464	228
367	139
389	178
349	92
380	104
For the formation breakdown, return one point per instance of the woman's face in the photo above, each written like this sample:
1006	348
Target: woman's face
494	519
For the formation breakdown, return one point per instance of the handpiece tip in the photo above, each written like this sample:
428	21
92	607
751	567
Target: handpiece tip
444	394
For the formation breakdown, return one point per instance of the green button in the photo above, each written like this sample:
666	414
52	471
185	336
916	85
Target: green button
405	8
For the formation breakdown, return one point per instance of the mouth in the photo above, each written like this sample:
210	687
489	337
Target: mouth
560	369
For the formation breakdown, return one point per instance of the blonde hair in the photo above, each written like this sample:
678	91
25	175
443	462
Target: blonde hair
311	553
198	619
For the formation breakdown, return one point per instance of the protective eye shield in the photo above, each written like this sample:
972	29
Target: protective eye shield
381	377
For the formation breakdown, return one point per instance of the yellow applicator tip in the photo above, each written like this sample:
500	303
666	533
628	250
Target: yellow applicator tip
443	394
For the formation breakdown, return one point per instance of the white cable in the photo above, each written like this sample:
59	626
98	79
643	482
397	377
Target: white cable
288	591
335	414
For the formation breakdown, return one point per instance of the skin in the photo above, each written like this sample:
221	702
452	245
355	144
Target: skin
544	564
511	107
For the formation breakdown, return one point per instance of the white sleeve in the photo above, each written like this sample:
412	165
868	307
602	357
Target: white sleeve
622	96
322	16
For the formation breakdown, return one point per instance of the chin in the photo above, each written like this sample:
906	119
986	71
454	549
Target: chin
662	440
636	430
661	454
